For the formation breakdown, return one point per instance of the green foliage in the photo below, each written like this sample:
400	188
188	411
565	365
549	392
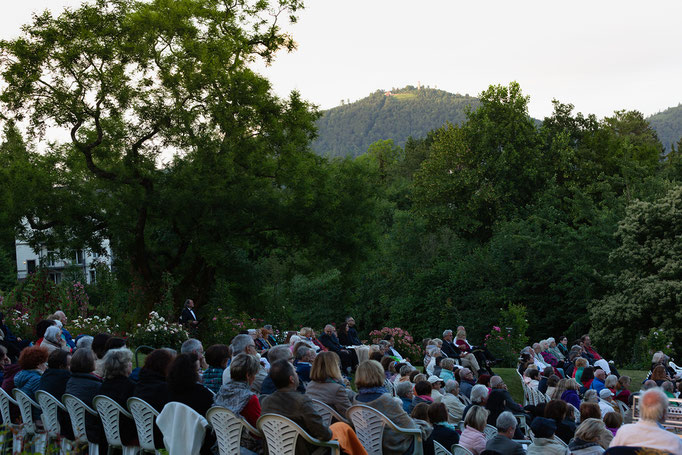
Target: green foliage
159	333
222	327
403	342
350	129
668	125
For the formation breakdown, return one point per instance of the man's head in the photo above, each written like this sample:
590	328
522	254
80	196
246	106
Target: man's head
283	375
435	382
548	371
452	387
280	352
192	346
390	339
329	329
305	354
653	405
466	373
189	303
506	424
649	384
479	394
497	382
61	315
585	339
267	329
600	374
350	321
243	343
404	390
447	335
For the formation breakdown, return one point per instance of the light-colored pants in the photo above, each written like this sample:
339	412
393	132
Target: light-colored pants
469	361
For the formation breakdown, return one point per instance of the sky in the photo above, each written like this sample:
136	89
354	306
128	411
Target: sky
600	56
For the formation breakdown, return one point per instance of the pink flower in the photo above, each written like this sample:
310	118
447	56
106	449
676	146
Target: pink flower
214	318
496	328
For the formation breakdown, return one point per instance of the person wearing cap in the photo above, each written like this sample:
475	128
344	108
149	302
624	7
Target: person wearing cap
497	383
502	442
544	442
605	401
648	432
436	384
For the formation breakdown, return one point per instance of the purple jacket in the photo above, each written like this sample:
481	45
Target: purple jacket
571	397
549	358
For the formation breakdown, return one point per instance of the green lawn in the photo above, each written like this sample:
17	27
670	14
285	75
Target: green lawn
514	384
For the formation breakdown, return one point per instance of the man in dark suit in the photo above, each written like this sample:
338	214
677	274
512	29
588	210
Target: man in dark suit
352	332
296	406
188	318
502	442
348	358
449	348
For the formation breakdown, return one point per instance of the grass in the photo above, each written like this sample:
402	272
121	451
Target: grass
511	378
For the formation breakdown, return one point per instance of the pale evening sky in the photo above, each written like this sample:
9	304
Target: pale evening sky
599	55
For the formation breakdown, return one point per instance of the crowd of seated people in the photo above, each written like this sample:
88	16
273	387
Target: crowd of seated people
254	375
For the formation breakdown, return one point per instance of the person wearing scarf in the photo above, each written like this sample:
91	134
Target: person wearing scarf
236	394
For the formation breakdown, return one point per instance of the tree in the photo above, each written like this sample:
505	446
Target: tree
136	83
647	291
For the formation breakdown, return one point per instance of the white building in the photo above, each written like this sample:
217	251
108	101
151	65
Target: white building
29	260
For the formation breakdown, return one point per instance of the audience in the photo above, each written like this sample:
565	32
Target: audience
54	379
33	362
117	366
216	357
544	442
451	400
591	438
503	441
328	385
83	384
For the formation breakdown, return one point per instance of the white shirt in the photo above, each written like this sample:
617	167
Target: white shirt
605	407
646	433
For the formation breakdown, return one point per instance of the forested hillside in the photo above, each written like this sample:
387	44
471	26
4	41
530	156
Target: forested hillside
668	125
349	129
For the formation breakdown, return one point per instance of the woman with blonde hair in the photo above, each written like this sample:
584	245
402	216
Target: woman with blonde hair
623	389
473	438
327	384
369	379
591	438
580	365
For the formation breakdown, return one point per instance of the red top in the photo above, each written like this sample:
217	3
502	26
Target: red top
463	345
594	353
251	411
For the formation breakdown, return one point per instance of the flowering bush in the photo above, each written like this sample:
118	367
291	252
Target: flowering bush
403	343
77	299
503	346
221	327
19	322
92	326
159	333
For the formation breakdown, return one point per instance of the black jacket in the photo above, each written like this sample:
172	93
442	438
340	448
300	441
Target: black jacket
444	436
331	342
353	337
153	389
53	381
196	397
85	386
120	389
186	316
451	350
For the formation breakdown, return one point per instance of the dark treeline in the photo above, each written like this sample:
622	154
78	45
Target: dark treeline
577	220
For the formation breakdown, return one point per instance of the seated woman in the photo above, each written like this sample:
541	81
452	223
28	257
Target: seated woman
52	340
586	379
117	365
532	377
562	415
33	362
152	386
369	379
571	396
580	364
83	384
327	385
54	379
473	438
216	358
447	366
658	375
552	383
591	437
623	389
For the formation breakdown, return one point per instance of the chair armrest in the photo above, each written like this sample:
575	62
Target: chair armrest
331	444
251	429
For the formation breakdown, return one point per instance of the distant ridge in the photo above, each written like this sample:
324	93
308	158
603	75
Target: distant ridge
668	125
349	129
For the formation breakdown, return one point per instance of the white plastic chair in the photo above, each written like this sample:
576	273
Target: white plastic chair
282	433
464	400
144	415
438	449
110	412
576	413
460	450
31	429
327	412
77	410
51	407
490	432
228	428
16	430
369	426
623	408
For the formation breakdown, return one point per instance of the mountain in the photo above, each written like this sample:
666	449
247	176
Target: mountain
668	125
349	129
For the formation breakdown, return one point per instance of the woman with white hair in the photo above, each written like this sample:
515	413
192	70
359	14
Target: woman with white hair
52	340
591	438
117	366
452	402
554	349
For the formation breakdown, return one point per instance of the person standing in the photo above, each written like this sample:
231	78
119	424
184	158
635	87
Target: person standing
188	318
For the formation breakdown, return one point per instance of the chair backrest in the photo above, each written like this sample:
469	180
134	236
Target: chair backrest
438	449
5	401
77	409
576	413
26	405
143	415
110	413
228	429
281	434
460	450
50	407
560	441
490	432
327	412
464	399
622	407
369	427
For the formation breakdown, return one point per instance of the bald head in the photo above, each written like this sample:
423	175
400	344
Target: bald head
653	405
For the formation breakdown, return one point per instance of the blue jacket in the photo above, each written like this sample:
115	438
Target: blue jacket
68	339
596	385
27	381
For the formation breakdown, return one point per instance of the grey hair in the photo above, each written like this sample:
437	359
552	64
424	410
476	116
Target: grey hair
191	345
476	417
478	393
279	352
591	396
451	386
240	343
505	422
437	341
403	388
653	405
447	332
447	363
268	326
611	381
243	365
115	362
302	352
84	342
53	334
667	386
405	370
383	343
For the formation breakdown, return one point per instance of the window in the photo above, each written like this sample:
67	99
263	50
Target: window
51	261
79	257
93	276
55	277
31	266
